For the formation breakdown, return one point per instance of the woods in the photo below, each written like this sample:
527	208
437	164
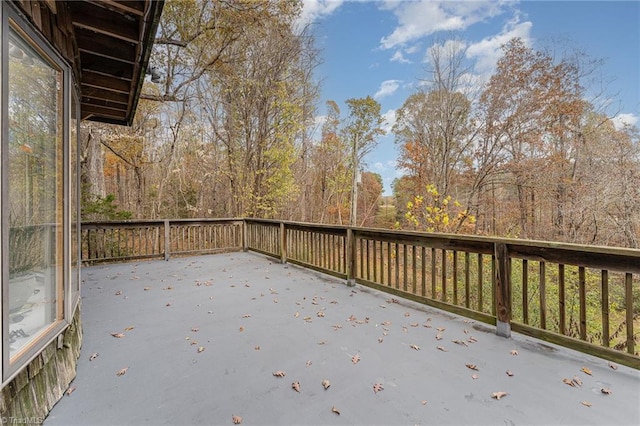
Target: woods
228	127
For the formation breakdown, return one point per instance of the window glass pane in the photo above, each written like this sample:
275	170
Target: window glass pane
74	196
35	183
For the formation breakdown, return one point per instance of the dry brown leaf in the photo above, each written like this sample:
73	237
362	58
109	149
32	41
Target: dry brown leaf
308	319
279	373
334	302
201	349
295	386
606	391
513	352
423	402
236	420
585	370
147	288
308	363
509	373
246	316
320	314
129	328
440	328
335	410
385	323
498	395
117	335
416	347
241	329
118	293
466	331
380	339
122	372
586	403
168	304
377	387
168	288
296	315
257	348
577	380
355	358
94	356
195	329
472	339
569	382
321	342
405	329
193	342
415	324
438	337
427	325
275	300
326	384
472	366
460	342
407	314
71	390
613	366
474	376
441	348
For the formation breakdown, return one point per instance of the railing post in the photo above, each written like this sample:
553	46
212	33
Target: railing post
503	290
167	239
245	242
350	254
283	243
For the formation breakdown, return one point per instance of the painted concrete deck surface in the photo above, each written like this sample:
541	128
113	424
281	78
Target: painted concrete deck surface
203	337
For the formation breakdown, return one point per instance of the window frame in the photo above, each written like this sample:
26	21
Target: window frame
67	299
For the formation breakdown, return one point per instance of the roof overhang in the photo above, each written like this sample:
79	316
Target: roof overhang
114	41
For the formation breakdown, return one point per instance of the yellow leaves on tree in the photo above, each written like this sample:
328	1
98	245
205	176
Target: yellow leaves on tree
435	212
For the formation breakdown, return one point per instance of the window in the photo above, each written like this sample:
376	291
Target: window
40	263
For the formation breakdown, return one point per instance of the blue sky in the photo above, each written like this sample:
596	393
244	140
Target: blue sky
377	48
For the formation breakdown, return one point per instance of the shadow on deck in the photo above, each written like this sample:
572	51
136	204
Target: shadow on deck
253	317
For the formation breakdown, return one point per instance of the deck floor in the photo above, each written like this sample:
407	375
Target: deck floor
253	316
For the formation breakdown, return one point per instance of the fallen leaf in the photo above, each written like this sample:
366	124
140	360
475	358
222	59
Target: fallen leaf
438	337
613	366
326	384
147	288
335	410
296	315
427	325
307	318
474	376
405	329
193	342
201	349
355	358
321	342
472	366
498	395
334	302
606	391
585	370
117	335
460	342
407	314
129	328
195	329
279	373
70	390
380	339
122	372
257	348
577	380
118	293
246	316
241	329
441	348
415	324
275	300
440	328
423	402
569	382
320	314
472	339
236	420
513	352
296	386
168	304
586	403
416	347
466	331
93	356
509	373
377	387
168	288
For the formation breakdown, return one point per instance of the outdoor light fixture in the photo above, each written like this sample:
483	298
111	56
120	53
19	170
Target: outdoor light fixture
155	75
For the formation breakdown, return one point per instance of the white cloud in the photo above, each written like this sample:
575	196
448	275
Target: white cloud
313	10
379	167
390	120
399	57
628	119
387	88
419	19
487	51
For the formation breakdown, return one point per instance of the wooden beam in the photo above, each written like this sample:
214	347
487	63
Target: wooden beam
104	112
108	95
100	64
95	18
108	47
135	7
103	82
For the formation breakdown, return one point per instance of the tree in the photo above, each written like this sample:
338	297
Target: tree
363	126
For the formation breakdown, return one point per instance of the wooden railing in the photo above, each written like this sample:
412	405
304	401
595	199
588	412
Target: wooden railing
583	297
